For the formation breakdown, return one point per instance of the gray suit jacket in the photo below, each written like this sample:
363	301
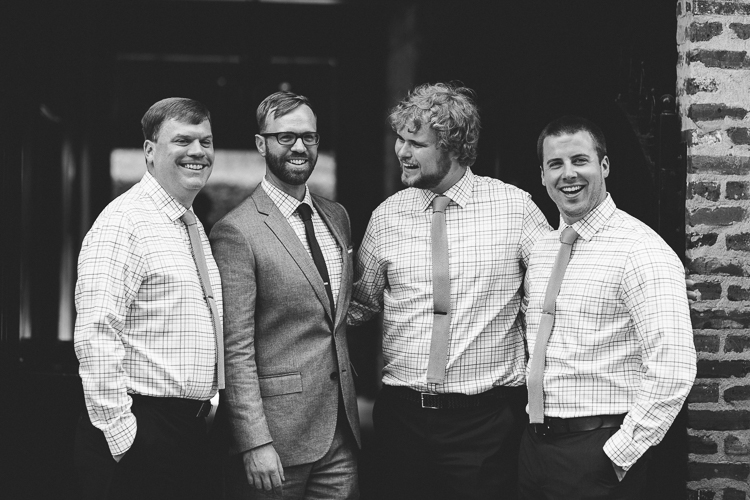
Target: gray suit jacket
285	356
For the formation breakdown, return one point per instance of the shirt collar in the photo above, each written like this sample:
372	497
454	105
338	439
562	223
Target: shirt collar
594	220
460	193
286	204
163	200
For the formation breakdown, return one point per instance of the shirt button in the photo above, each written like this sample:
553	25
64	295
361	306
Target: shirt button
335	376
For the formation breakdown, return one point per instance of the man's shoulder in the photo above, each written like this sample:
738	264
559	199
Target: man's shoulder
133	205
328	205
404	200
246	211
634	233
495	188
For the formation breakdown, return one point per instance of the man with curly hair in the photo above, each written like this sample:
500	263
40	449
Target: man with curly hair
445	260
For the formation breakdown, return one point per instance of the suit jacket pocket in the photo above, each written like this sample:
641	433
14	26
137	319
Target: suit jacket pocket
280	384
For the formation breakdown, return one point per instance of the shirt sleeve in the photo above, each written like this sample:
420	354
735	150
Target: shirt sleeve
654	292
109	276
369	277
533	227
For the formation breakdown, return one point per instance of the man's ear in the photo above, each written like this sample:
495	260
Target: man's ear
541	172
148	150
605	166
260	144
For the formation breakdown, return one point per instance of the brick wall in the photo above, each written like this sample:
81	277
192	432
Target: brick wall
713	95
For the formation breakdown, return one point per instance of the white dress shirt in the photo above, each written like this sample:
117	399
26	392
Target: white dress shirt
143	324
491	228
622	341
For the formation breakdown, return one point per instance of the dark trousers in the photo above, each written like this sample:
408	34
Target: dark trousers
332	477
166	461
464	453
574	466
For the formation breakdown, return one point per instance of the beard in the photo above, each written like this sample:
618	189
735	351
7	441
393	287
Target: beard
277	165
424	180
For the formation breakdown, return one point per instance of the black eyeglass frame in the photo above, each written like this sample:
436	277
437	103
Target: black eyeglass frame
315	135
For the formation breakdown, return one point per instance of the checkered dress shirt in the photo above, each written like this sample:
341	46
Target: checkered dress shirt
622	341
287	205
491	229
143	324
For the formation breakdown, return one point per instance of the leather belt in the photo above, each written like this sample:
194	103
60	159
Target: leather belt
181	405
433	401
554	426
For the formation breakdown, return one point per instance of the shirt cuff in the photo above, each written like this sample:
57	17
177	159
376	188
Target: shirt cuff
121	434
623	450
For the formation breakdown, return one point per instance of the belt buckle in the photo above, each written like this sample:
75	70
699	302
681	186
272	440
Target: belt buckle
204	409
426	405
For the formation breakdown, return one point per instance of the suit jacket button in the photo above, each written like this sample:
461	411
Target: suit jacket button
335	376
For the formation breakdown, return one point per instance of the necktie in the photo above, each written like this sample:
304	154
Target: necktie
305	213
536	370
200	262
441	291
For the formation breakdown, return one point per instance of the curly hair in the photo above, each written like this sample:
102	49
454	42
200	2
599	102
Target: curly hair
449	109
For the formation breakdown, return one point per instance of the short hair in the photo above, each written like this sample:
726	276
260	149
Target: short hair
449	109
173	108
280	103
570	124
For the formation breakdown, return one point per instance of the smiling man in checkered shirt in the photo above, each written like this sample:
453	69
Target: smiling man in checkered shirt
620	358
145	334
458	438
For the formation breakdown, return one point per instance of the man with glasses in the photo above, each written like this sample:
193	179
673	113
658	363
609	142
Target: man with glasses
285	259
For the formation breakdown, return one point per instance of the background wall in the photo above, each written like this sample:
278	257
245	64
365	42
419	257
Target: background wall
713	87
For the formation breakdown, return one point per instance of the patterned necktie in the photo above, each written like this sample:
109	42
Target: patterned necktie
441	291
536	370
200	262
305	213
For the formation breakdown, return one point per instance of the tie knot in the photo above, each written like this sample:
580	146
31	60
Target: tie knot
188	218
304	211
440	202
568	236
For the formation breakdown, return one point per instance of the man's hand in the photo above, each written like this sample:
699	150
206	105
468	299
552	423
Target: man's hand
263	467
619	471
118	457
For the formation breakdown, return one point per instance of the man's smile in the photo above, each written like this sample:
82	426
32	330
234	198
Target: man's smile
194	166
572	190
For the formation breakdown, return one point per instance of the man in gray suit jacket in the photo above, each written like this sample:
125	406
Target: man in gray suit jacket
285	260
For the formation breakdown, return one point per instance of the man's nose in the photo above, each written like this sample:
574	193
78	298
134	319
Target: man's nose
299	146
196	149
403	151
569	171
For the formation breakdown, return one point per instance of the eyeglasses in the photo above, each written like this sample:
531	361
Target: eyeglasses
289	138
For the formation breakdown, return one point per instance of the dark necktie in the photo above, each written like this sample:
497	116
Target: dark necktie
200	262
305	213
441	292
536	369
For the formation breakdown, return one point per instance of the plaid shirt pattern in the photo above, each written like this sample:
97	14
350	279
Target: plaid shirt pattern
287	205
143	324
622	340
491	228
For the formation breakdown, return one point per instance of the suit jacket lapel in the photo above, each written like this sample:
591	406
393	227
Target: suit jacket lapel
289	240
334	227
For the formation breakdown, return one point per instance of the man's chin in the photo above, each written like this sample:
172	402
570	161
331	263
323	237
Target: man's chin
297	179
411	180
